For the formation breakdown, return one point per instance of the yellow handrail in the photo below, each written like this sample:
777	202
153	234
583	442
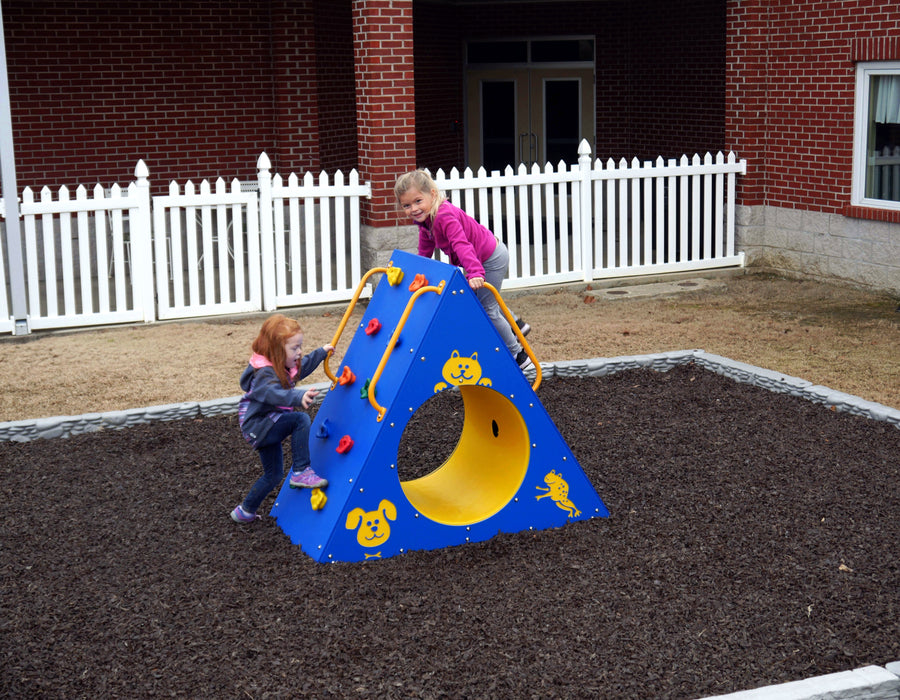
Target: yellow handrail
346	317
393	341
515	329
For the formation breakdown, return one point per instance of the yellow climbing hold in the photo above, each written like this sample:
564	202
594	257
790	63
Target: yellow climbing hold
317	499
395	276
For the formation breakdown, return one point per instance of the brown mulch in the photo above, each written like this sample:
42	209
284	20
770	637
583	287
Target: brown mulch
752	540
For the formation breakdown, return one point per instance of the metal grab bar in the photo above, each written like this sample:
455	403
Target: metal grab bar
346	317
393	341
515	329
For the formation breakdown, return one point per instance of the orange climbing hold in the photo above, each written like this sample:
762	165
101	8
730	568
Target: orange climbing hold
347	377
418	282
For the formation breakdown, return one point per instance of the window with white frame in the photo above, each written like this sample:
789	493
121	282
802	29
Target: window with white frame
876	135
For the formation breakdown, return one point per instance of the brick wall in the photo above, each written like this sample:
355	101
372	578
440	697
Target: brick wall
200	90
439	86
385	99
295	87
336	86
676	79
97	85
790	94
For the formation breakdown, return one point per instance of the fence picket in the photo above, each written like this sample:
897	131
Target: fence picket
660	233
537	250
684	222
340	252
282	267
511	226
219	242
99	219
719	189
551	228
497	208
634	215
323	206
484	210
194	254
85	278
695	212
309	226
563	227
240	231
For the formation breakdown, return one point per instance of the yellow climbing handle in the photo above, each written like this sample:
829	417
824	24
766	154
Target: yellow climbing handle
393	341
515	329
346	317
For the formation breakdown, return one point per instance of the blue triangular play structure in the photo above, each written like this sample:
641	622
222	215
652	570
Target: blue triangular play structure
424	332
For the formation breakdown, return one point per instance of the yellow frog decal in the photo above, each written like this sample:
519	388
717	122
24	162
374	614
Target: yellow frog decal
558	490
461	370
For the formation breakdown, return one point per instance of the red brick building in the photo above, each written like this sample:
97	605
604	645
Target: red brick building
199	90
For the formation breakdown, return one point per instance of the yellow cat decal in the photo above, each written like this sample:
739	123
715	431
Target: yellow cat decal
461	370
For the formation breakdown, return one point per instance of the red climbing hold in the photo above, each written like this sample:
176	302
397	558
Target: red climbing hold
344	445
373	327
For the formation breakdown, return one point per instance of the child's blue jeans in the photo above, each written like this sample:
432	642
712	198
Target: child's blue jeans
271	454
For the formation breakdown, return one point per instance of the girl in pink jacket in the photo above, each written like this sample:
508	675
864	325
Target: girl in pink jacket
468	244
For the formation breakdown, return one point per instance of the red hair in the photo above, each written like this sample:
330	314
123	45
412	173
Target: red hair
275	332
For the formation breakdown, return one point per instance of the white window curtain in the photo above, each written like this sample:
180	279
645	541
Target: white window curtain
887	99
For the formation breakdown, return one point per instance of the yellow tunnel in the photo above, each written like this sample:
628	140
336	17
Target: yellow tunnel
485	470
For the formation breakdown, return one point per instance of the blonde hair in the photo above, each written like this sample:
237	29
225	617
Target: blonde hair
419	180
274	333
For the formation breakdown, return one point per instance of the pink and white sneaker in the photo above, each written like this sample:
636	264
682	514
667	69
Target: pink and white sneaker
307	479
239	515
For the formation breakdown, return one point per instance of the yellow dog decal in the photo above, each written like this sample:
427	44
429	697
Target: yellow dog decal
374	528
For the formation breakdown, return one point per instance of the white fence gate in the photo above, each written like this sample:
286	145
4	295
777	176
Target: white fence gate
203	244
121	256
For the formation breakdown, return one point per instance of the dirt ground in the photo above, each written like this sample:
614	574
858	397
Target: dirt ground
752	540
836	336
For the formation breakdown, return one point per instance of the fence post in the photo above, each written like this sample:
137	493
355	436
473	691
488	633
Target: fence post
16	260
142	249
585	227
266	232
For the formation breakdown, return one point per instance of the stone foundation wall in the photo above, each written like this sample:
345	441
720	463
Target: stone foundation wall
825	247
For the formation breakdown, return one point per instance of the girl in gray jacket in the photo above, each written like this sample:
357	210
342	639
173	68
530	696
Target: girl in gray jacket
267	411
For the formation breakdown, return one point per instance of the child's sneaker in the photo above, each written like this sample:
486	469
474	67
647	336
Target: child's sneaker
307	479
523	327
523	360
239	515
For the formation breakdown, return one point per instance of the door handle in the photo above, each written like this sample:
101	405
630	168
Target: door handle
522	138
532	148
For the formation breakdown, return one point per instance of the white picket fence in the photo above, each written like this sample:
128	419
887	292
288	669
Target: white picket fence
118	256
593	220
123	256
